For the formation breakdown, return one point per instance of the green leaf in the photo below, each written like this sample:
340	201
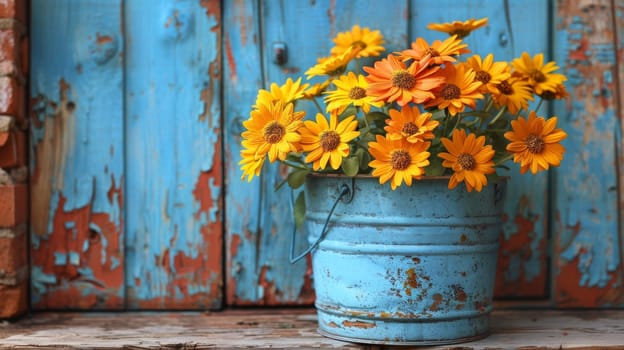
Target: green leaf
435	167
375	115
351	166
297	178
349	111
299	210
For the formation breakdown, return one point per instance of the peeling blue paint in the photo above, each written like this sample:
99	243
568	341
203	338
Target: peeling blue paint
170	141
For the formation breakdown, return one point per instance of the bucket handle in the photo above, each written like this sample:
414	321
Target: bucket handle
345	190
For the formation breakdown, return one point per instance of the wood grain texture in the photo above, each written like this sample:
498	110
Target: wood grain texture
289	329
243	72
258	247
77	174
173	163
522	260
587	254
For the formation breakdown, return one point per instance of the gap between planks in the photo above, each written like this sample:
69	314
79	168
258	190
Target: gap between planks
289	329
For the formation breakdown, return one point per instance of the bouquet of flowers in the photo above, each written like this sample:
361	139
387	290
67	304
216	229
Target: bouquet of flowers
433	109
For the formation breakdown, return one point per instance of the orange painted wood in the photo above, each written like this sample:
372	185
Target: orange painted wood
587	241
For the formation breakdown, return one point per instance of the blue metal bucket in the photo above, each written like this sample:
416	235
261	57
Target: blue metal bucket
414	266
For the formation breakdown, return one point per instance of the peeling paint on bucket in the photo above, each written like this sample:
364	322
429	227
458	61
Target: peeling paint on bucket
410	266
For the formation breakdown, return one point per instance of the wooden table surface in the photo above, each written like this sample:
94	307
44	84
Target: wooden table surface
288	329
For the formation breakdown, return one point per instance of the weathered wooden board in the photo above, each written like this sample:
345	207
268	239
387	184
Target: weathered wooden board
260	226
513	27
290	329
174	203
243	74
77	155
587	253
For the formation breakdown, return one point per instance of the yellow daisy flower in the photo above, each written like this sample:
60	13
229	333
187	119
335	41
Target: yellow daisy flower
538	74
488	72
369	42
559	93
272	129
513	93
250	164
398	160
350	89
469	158
409	123
535	143
287	93
459	28
327	142
438	51
333	65
390	80
460	89
316	90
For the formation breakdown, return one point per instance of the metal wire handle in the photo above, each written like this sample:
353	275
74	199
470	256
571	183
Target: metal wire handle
344	190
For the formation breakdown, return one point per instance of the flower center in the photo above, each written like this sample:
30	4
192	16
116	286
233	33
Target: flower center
357	93
403	80
432	52
483	76
505	88
461	33
535	144
537	75
548	95
400	159
466	161
451	92
409	128
329	140
274	132
359	44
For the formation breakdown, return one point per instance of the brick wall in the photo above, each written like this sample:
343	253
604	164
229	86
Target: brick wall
13	158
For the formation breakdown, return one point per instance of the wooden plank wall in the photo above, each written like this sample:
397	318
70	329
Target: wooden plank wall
174	203
587	241
257	241
77	163
134	175
126	155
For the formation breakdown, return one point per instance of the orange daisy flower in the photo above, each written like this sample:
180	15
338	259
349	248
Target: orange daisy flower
488	72
513	93
390	80
398	160
469	158
538	74
460	90
459	28
410	124
535	143
438	51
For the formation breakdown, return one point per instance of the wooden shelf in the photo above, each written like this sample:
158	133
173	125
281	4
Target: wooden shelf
289	329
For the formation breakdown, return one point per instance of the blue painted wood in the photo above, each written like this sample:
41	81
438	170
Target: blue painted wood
76	154
587	254
242	70
523	255
266	276
173	154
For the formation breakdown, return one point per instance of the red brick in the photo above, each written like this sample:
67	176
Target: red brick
14	9
13	250
11	97
13	205
13	152
14	300
10	53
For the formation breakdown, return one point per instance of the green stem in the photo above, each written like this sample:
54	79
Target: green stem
295	165
503	160
318	106
539	104
497	117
